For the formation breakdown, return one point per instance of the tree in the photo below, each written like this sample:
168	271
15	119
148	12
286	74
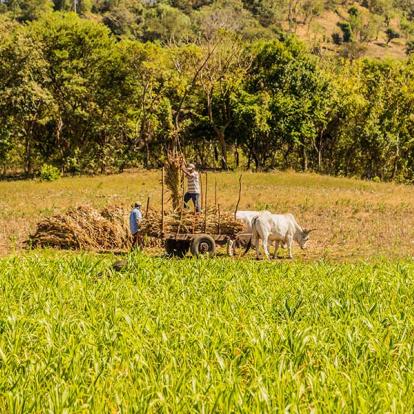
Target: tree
166	23
29	9
410	47
220	79
391	35
80	64
25	103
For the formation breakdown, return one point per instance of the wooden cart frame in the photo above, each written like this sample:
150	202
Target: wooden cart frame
199	244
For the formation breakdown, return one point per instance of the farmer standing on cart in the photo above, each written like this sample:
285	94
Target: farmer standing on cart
135	219
193	187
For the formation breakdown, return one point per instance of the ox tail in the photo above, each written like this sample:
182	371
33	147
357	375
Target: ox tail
253	237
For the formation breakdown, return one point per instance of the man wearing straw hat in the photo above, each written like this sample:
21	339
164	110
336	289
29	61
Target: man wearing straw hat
135	219
193	187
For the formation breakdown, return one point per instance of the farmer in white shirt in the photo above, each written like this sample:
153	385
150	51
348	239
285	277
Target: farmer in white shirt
193	187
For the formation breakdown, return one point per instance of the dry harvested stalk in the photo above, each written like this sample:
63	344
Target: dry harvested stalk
190	223
174	177
85	228
89	229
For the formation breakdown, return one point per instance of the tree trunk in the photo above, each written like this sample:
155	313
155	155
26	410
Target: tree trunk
396	162
147	154
237	157
304	159
28	157
28	166
223	148
320	166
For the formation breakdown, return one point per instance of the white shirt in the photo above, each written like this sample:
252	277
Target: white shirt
194	183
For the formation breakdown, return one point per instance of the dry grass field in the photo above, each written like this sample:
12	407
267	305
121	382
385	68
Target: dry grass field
355	219
321	28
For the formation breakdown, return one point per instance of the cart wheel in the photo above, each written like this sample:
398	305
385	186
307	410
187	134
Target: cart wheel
177	248
203	245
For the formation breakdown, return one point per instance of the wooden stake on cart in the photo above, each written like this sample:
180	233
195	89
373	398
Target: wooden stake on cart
218	220
215	193
205	205
181	212
162	202
201	193
240	191
147	208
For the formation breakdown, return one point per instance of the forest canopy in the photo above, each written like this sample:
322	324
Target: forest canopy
99	86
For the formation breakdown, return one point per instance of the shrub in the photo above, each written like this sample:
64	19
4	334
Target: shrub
337	38
353	11
346	30
410	47
391	35
49	173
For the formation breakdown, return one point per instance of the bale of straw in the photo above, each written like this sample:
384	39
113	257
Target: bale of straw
84	228
174	177
190	223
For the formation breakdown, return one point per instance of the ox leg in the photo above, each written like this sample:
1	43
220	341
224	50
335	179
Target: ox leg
289	246
257	245
276	249
231	248
265	247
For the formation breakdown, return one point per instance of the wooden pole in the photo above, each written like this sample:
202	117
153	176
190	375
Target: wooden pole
215	193
240	191
181	211
219	219
147	208
205	205
201	192
162	202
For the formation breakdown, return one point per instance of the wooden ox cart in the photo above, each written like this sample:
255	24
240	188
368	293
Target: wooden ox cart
201	237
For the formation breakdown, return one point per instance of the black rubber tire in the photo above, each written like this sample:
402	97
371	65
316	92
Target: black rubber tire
203	245
177	248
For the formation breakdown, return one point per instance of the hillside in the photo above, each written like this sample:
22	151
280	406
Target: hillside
365	22
319	33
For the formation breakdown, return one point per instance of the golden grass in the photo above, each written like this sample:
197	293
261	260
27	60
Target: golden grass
322	27
355	219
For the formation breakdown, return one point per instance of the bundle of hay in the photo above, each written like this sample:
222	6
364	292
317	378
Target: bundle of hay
190	223
84	228
174	177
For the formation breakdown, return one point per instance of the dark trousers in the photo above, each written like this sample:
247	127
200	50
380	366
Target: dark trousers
196	200
136	241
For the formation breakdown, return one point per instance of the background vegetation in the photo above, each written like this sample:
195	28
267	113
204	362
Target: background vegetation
119	83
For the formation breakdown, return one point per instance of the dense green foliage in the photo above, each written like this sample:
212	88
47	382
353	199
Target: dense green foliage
203	336
219	80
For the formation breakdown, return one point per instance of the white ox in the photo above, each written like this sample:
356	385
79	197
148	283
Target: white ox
246	217
277	228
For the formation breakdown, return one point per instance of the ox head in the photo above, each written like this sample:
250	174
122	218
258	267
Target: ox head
304	238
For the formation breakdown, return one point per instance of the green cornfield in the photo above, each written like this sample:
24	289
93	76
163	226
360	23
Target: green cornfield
204	335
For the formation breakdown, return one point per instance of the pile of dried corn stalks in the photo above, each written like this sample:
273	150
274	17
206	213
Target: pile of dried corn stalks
85	228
